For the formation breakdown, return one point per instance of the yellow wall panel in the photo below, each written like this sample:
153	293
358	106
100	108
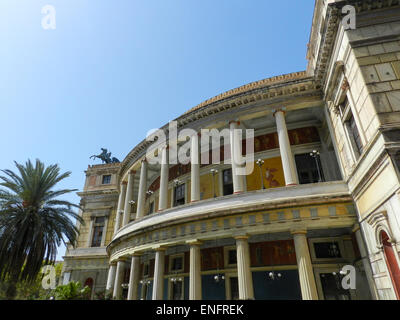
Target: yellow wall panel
272	174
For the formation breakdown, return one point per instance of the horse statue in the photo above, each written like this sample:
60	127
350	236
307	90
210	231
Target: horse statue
105	157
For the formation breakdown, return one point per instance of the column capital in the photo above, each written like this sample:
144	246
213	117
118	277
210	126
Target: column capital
159	248
241	237
194	242
234	121
283	109
298	231
136	254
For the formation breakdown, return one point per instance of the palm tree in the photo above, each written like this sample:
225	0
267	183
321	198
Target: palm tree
33	223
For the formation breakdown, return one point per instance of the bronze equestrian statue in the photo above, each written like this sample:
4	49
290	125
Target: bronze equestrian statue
105	156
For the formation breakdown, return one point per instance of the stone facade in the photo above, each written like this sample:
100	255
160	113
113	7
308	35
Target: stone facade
285	230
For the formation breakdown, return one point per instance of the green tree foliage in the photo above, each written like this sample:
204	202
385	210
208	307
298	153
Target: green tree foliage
33	222
72	291
31	290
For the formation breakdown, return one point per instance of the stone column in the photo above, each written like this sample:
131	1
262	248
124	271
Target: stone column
366	262
306	274
120	208
245	278
111	277
158	283
118	279
195	169
288	163
236	155
134	278
163	196
142	190
128	198
195	270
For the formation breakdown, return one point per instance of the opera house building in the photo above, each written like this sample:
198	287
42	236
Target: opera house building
322	195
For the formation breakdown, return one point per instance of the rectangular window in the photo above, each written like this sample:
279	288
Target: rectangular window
309	169
177	264
354	136
151	208
325	250
332	288
227	181
234	284
177	290
106	179
98	228
232	256
145	290
179	195
146	269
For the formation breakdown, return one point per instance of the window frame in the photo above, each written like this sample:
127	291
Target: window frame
227	184
341	245
108	176
226	256
170	264
182	188
94	227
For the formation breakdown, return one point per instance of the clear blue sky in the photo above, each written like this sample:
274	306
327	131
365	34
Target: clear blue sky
114	69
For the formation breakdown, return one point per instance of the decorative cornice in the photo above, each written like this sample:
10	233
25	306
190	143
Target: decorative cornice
250	86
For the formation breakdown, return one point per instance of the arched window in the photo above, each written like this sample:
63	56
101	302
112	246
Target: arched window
391	262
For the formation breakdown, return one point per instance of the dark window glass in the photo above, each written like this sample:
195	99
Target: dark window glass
146	269
99	220
234	288
177	290
259	256
98	228
326	250
309	169
106	179
177	263
232	257
97	235
151	209
227	181
332	287
355	135
179	195
145	290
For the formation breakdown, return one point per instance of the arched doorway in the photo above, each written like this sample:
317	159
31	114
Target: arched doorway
391	263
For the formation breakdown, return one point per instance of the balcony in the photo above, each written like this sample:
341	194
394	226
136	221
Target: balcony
308	194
